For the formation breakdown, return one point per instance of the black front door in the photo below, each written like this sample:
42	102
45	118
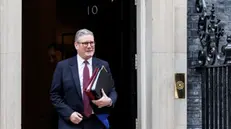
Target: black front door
113	23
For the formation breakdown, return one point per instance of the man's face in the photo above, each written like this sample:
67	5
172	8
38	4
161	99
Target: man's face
85	46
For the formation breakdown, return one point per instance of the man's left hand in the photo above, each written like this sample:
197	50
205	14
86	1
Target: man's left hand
103	101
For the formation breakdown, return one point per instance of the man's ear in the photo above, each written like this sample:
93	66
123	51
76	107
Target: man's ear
76	45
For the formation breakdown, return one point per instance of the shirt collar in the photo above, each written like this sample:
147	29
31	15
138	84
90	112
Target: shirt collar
81	60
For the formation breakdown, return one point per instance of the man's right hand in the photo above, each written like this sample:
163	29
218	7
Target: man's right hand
76	117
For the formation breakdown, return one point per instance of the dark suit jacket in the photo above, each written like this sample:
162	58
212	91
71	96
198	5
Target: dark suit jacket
65	92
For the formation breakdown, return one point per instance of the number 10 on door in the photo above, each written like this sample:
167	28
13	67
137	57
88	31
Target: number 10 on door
92	10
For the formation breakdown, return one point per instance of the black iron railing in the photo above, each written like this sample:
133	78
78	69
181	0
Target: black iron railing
216	97
214	64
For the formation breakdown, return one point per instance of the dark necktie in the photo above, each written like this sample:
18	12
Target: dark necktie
86	101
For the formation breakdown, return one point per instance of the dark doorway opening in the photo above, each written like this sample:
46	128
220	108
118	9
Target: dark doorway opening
48	33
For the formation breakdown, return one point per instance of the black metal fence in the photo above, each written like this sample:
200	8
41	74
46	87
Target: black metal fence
216	97
214	64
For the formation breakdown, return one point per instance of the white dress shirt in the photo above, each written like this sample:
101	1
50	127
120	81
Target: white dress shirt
81	65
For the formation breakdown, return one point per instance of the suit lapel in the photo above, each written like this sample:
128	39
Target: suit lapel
95	63
75	73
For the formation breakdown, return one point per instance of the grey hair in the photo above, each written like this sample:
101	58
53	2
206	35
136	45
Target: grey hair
82	32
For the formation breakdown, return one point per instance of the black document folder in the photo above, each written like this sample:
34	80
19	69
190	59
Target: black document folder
100	79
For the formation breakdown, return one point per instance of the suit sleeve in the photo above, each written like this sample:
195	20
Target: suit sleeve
113	93
56	95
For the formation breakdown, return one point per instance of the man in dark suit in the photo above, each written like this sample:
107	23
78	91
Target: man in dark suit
74	108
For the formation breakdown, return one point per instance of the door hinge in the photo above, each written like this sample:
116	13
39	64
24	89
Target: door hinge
136	62
135	2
